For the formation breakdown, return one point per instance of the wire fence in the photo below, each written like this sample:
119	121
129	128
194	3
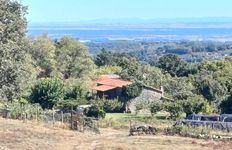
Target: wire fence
71	119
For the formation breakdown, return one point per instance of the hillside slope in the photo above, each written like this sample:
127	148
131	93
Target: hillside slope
17	135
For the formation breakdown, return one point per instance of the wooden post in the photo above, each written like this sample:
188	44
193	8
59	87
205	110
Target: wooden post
37	115
53	116
62	117
71	117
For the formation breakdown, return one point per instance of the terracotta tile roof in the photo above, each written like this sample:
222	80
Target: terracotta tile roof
114	82
103	88
109	83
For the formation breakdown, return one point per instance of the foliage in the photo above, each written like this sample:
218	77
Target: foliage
150	51
211	89
95	111
20	110
132	91
178	88
105	58
226	105
202	87
16	67
13	21
43	53
112	106
143	105
128	64
75	92
174	65
150	75
109	106
174	109
156	107
108	70
47	92
196	104
71	103
101	106
73	59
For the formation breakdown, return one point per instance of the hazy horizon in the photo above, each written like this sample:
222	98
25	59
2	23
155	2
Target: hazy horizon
86	10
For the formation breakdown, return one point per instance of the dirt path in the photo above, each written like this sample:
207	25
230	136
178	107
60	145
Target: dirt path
15	135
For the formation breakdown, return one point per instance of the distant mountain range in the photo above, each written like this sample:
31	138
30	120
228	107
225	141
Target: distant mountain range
137	21
196	29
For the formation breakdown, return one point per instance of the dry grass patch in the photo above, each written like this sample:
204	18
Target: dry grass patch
16	135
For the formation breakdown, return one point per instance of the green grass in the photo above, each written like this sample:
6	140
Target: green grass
123	120
159	115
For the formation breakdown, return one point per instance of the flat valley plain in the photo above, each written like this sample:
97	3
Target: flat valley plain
16	135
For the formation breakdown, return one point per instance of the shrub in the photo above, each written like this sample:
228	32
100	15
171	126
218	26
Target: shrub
112	106
143	105
95	111
156	107
67	104
47	92
132	90
226	105
196	105
138	107
75	92
175	110
101	106
20	110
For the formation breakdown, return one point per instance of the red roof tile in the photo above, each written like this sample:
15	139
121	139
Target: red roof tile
114	82
103	88
109	83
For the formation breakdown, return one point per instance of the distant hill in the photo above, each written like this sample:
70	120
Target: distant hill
138	21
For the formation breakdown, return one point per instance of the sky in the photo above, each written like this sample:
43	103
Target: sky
85	10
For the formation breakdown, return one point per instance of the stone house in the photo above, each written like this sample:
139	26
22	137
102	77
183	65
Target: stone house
148	94
109	86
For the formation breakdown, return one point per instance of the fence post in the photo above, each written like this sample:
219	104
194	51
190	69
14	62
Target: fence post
53	116
62	117
71	117
36	114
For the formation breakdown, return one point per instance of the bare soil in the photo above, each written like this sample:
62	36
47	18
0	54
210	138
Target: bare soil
16	135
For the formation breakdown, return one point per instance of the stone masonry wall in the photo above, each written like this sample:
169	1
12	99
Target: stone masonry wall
147	95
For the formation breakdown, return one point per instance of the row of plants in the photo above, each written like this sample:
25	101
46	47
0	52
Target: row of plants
200	132
176	109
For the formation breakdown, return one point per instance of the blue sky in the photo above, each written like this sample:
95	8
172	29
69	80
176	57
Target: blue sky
83	10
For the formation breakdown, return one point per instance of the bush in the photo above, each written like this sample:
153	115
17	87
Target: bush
143	105
20	110
67	104
196	105
75	92
112	106
47	92
95	111
132	90
156	107
175	110
102	106
226	105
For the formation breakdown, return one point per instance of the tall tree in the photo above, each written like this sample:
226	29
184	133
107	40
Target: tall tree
43	52
73	59
15	64
13	23
173	65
